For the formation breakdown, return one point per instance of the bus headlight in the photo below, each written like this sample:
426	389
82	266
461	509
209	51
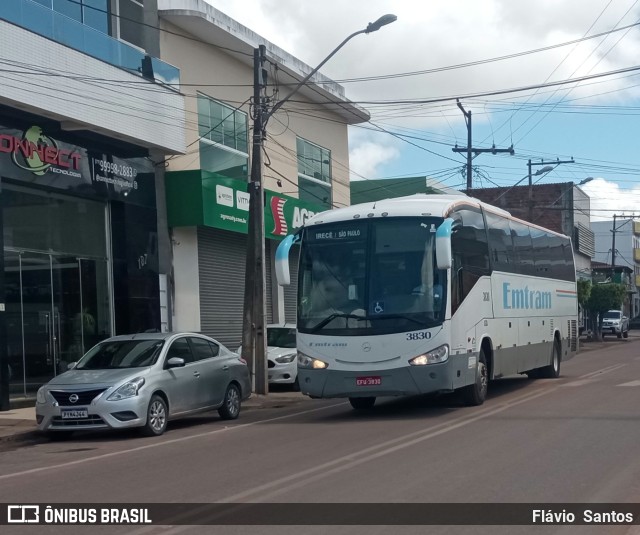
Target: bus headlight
305	361
439	354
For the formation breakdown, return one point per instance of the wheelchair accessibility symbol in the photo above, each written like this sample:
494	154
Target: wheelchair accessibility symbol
379	307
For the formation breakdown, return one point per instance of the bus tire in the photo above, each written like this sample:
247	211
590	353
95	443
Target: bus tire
362	403
552	371
475	394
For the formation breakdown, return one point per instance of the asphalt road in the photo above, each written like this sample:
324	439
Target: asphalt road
574	439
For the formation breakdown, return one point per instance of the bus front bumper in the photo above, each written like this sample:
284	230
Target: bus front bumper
406	381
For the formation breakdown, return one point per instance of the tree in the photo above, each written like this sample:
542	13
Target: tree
584	292
604	297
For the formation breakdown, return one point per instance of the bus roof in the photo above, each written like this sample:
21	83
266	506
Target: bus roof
419	204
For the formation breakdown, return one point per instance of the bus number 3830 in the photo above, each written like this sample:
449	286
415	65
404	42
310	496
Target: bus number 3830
420	335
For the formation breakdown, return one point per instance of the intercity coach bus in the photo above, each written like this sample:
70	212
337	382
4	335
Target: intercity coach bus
428	293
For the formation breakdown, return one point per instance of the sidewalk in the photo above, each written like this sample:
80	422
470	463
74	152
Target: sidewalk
19	424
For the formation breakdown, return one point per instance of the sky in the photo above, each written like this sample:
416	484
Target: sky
593	121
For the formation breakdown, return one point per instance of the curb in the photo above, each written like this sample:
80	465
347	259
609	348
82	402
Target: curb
33	436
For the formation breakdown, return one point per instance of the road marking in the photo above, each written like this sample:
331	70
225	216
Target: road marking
632	383
164	443
602	371
580	383
258	494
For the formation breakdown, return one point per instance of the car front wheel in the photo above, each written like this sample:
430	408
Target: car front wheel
157	416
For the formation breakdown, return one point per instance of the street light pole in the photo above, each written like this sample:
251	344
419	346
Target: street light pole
254	347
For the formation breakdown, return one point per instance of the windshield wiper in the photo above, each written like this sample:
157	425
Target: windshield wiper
333	316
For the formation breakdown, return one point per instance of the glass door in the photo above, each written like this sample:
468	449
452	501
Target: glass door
39	320
58	307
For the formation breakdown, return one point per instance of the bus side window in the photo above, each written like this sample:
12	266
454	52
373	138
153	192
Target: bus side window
470	253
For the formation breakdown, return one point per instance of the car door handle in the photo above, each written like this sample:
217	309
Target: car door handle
225	367
196	374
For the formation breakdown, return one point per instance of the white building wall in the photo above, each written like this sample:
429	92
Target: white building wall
111	101
186	278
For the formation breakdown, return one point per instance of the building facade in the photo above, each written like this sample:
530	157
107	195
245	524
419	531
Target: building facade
627	252
306	167
87	117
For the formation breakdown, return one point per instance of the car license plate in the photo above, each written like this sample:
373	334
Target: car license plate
77	413
368	381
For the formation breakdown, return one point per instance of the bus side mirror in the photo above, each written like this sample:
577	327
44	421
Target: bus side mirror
444	258
283	274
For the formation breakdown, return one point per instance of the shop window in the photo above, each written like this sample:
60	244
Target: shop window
223	139
314	173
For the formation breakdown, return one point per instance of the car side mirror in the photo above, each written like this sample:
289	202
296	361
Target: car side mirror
71	365
175	362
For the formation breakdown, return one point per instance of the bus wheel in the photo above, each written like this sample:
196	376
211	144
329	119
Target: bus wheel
553	370
476	393
362	403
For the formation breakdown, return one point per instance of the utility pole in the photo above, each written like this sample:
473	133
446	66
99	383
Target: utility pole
253	332
541	162
469	148
254	348
613	249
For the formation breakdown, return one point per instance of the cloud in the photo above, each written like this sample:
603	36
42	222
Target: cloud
608	198
366	157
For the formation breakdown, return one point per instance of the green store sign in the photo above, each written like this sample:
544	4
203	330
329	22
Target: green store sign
199	198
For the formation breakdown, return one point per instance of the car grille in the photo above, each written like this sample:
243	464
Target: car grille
93	420
85	397
271	364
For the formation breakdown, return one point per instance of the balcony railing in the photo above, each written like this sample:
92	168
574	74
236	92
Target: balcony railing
67	31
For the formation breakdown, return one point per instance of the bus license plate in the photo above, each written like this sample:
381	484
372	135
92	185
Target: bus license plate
368	381
72	415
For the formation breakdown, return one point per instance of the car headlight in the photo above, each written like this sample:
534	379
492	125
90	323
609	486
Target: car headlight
41	396
286	359
305	361
127	390
440	354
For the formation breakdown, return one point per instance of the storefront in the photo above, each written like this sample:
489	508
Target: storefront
80	244
208	215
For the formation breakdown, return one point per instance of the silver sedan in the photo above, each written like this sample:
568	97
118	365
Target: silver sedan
144	380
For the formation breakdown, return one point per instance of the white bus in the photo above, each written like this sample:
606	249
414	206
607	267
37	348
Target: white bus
428	293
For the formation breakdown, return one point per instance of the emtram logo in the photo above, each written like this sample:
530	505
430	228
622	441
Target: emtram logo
37	152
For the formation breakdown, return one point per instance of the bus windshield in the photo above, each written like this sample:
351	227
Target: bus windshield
376	276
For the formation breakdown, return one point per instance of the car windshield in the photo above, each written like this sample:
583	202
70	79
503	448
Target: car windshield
612	315
281	337
121	354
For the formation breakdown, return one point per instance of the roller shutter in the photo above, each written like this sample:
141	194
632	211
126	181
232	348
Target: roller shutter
221	263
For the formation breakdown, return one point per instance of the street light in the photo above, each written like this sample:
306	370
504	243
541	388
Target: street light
585	181
253	321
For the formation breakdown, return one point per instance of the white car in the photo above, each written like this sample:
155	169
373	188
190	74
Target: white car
281	355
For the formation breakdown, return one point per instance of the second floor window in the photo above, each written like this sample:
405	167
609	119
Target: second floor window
94	13
223	143
314	173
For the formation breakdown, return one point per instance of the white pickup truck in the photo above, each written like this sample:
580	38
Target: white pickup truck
615	322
